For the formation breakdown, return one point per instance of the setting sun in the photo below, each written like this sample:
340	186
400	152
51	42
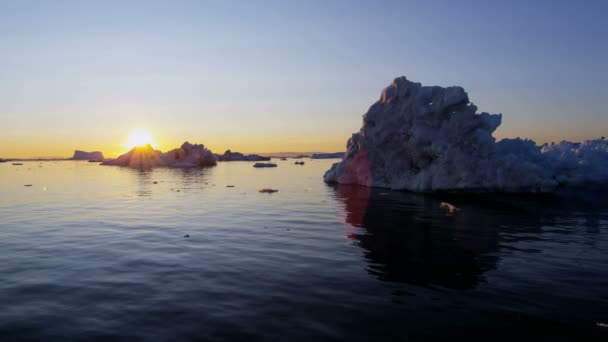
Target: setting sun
140	137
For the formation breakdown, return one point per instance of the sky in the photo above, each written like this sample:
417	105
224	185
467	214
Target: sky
271	76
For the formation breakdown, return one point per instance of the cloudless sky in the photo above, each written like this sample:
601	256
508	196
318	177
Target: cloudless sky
269	76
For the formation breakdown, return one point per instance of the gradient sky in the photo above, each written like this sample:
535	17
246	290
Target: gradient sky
266	76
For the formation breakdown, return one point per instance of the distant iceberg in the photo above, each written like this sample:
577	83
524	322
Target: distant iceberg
423	138
188	155
264	165
82	155
327	155
237	156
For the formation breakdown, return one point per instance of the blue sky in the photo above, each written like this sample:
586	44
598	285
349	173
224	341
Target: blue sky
271	76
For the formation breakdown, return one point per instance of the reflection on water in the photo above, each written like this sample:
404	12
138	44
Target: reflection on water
189	178
92	251
532	254
408	238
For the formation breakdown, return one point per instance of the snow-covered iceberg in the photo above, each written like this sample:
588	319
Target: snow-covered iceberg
188	155
424	138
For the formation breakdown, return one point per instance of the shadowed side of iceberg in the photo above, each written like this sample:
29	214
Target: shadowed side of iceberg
188	155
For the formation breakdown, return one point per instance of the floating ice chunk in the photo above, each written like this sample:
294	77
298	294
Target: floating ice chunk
264	165
449	207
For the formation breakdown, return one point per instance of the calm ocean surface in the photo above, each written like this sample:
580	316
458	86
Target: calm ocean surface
91	251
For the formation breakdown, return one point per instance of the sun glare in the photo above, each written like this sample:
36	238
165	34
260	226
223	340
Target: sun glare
140	137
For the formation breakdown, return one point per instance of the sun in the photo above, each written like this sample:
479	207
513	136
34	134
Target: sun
140	137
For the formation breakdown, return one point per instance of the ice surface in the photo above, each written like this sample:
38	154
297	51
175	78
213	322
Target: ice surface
424	138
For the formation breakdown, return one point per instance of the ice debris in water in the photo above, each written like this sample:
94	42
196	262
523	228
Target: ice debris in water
430	138
268	191
449	207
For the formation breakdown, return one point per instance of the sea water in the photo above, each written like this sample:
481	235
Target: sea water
91	251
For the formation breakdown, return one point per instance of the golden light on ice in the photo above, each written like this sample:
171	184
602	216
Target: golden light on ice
140	137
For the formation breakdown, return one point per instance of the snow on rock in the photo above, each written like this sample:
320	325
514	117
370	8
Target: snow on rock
82	155
237	156
424	138
188	155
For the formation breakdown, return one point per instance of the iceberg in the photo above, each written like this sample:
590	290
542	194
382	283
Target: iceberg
327	155
82	155
430	138
237	156
264	165
188	155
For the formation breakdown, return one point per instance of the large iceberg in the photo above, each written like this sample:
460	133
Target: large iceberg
424	138
145	157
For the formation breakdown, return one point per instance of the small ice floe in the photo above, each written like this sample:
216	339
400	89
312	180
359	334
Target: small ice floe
299	163
449	207
264	165
230	186
28	185
268	191
187	235
17	164
155	182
